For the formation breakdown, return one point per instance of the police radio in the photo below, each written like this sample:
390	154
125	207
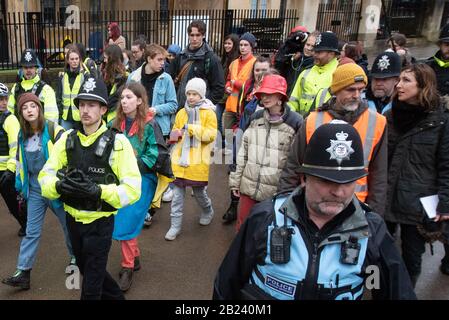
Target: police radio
280	242
101	147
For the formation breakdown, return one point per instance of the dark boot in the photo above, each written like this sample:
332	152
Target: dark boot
137	265
125	279
444	267
231	213
20	279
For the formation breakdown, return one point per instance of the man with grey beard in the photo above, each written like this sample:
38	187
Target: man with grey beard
384	78
348	83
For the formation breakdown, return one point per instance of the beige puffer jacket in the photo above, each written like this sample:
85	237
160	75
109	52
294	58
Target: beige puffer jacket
263	153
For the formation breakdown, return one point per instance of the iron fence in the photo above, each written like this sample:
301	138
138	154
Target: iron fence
341	17
46	36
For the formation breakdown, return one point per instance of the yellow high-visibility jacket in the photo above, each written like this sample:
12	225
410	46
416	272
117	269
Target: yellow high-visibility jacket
123	163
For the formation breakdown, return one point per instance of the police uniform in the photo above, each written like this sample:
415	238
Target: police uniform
311	80
9	130
280	253
69	85
99	175
439	65
386	65
45	93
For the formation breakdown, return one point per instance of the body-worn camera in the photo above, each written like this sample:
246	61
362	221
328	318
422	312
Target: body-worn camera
280	242
350	251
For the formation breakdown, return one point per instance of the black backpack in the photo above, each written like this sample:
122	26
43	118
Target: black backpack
163	161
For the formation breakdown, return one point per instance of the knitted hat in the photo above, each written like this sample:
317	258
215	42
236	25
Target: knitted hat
347	75
174	49
27	97
444	33
198	85
250	38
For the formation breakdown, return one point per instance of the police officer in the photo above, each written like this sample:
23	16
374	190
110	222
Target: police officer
310	81
348	82
320	241
31	82
384	78
9	129
440	61
94	173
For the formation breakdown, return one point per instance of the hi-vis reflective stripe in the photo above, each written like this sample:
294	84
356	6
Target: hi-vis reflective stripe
131	182
124	199
322	97
303	79
13	145
3	160
361	188
369	136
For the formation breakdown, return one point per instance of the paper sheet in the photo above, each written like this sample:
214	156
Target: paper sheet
430	205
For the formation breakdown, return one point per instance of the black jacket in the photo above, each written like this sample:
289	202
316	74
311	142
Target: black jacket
418	166
206	66
377	178
291	70
442	74
249	249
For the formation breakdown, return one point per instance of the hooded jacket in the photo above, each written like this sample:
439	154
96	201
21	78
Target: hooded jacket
206	65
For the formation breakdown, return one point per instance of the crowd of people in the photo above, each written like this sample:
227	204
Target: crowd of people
329	159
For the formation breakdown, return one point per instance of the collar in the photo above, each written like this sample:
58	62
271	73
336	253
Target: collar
331	65
440	62
89	140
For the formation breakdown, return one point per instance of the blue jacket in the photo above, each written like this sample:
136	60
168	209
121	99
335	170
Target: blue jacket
164	98
22	183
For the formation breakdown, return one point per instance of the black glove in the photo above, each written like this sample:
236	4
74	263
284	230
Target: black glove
7	178
77	184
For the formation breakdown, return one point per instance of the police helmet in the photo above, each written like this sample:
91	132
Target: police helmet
386	65
29	59
335	153
326	41
93	89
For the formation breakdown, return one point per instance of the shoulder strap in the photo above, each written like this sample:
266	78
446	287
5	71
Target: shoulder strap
51	131
40	86
183	72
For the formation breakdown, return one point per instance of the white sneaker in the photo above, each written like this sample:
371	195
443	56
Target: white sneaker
168	195
172	233
206	219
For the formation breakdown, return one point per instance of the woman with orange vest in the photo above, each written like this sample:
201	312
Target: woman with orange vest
239	71
348	82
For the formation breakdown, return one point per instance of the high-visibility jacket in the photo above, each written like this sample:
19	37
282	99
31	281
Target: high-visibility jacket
69	95
321	98
47	96
239	74
309	82
123	163
9	129
370	126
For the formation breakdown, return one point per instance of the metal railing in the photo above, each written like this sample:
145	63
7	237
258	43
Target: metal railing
30	30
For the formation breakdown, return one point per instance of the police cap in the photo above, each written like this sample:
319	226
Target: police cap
444	33
335	153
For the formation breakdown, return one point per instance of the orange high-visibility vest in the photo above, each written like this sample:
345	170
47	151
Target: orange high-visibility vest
370	126
243	75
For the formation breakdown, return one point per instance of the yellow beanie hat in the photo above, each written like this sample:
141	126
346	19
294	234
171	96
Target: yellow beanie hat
346	75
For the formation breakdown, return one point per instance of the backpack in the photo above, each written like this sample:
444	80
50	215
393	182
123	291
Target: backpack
163	161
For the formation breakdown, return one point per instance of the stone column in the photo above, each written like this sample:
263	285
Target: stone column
369	23
431	27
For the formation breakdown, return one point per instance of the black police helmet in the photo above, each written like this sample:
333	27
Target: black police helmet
386	65
326	41
335	153
29	59
93	89
444	34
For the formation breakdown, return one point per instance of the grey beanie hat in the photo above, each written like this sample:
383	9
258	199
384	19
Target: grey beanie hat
250	38
198	85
